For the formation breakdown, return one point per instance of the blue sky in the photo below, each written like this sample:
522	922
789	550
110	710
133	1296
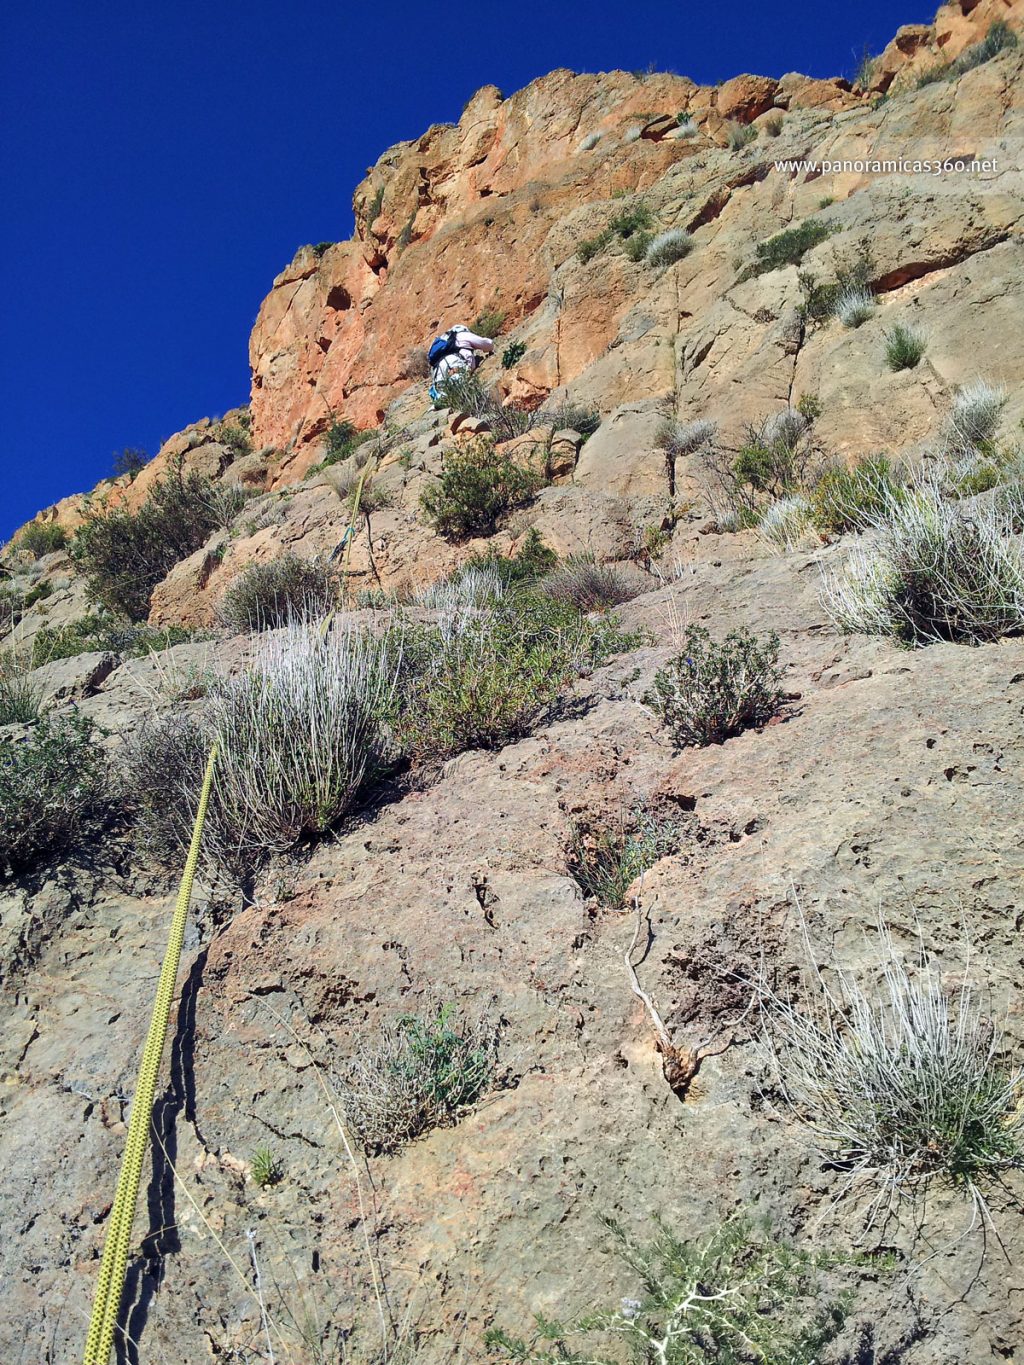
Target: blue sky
161	164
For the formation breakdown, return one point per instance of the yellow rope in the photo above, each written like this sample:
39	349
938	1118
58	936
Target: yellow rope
113	1266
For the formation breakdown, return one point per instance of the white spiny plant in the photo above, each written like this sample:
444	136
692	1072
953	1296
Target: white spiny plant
785	521
975	414
854	306
900	1082
932	570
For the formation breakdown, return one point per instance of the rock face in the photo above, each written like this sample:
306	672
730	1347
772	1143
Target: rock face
892	784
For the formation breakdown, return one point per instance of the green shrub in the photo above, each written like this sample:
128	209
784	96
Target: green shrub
901	1083
636	218
19	696
904	347
489	323
738	1294
482	678
851	498
936	571
590	247
423	1072
774	457
530	562
789	247
54	789
773	125
95	631
268	595
341	440
321	249
512	354
131	462
711	692
605	860
235	435
41	538
477	487
635	247
125	554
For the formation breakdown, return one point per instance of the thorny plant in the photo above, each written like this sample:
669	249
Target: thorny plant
901	1083
740	1294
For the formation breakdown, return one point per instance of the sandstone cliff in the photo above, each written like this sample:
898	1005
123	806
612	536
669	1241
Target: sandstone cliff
892	787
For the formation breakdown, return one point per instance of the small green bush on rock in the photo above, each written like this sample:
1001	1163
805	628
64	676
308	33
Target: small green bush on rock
904	347
789	247
478	486
97	631
850	498
125	554
711	692
41	538
54	789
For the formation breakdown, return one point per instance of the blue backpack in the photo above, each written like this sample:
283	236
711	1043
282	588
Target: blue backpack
442	346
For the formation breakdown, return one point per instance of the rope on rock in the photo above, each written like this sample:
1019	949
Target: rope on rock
113	1266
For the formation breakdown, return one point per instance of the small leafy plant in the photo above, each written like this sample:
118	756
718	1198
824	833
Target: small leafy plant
605	859
101	631
266	1168
512	354
477	487
711	692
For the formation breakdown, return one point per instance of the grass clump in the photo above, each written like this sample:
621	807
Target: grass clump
477	487
464	392
588	586
901	1084
937	571
854	305
739	135
19	696
975	415
266	1167
904	347
266	596
54	789
851	498
605	860
999	38
785	521
789	247
740	1293
569	416
668	247
711	692
41	538
635	219
590	247
97	631
302	735
125	554
424	1072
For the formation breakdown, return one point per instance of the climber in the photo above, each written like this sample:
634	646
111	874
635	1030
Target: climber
457	351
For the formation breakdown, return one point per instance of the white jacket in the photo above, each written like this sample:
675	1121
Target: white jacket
471	351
